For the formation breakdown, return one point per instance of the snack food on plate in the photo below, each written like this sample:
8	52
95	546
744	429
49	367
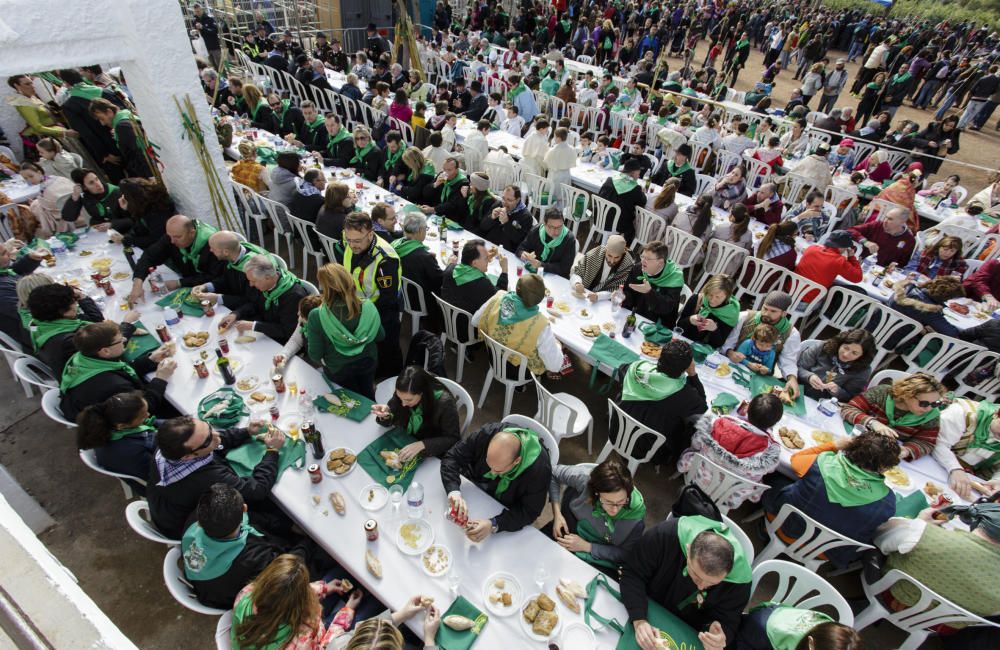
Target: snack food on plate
897	477
459	623
783	394
195	339
531	611
723	370
573	587
591	331
339	461
650	349
958	308
259	397
373	564
427	601
546	603
568	598
791	438
338	503
544	623
932	489
822	437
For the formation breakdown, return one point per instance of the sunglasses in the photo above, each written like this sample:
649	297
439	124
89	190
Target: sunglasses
925	404
208	441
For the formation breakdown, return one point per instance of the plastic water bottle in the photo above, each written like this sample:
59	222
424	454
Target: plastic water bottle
867	263
617	298
415	500
57	247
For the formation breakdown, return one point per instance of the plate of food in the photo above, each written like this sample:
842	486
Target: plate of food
340	462
896	477
562	307
723	370
539	618
959	308
261	397
120	275
584	314
436	560
247	384
101	263
345	173
591	331
932	490
502	593
374	497
194	340
822	437
608	326
791	438
414	536
651	350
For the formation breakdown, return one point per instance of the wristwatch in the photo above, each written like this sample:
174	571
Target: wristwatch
493	522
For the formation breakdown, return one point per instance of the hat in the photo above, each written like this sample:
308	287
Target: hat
371	27
288	32
616	245
480	181
778	300
841	61
839	239
822	148
684	150
321	35
334	40
631	165
847	142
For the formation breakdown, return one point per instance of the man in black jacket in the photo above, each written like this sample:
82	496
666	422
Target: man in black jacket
697	570
209	31
323	49
277	57
187	465
288	118
312	134
508	224
338	57
465	285
654	287
624	191
96	138
679	168
511	465
57	312
231	286
127	134
419	265
272	306
550	245
376	44
477	101
303	70
339	144
445	196
184	248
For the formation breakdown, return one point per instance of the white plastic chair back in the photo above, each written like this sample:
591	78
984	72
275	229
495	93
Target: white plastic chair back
989	243
720	256
705	184
414	303
808	549
89	459
561	412
628	432
544	435
989	387
971	266
585	59
898	160
311	289
279	216
683	247
970	238
652	128
329	245
726	160
180	588
742	538
464	401
538	186
961	192
556	108
800	588
5	216
649	227
952	357
814	138
501	175
50	406
223	629
249	202
843	200
309	249
32	372
605	220
721	485
757	174
882	207
570	197
138	517
795	189
7	151
701	152
577	114
405	130
325	100
462	334
862	151
500	356
12	351
886	376
758	277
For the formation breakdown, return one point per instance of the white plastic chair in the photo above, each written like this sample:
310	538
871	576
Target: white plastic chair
837	196
989	243
32	372
629	432
464	401
223	629
180	588
794	189
742	537
719	256
12	351
705	184
279	216
989	386
414	303
886	376
758	277
917	621
252	209
6	151
501	175
137	516
649	227
605	220
757	174
570	197
881	206
89	459
726	160
953	356
815	540
549	440
500	356
898	160
798	587
50	405
304	229
970	238
329	244
701	153
564	414
461	334
682	247
311	289
722	484
537	186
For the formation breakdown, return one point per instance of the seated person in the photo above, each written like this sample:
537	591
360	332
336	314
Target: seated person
824	263
384	222
624	191
758	350
413	182
297	341
465	285
312	134
968	444
338	203
306	202
445	195
418	264
549	245
513	319
838	367
767	625
841	486
339	144
186	465
744	447
57	312
479	202
925	302
654	287
679	167
272	306
943	257
184	249
812	216
602	269
599	516
765	205
392	165
509	223
887	238
508	463
708	317
366	159
984	284
121	432
773	312
229	288
697	570
907	411
11	272
425	409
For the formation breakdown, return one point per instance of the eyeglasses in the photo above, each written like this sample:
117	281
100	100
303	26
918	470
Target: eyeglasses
924	404
614	504
361	138
208	441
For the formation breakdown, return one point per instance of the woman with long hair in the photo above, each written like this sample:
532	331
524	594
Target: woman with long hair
425	409
261	115
382	632
338	202
943	257
925	302
664	203
870	98
45	207
837	367
420	174
148	205
121	432
341	335
99	198
285	178
938	139
697	220
731	188
778	244
709	316
737	229
367	157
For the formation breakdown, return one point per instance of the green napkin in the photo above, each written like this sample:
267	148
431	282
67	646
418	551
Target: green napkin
701	351
724	403
451	225
610	352
182	300
987	218
374	464
849	428
68	238
140	345
679	635
656	333
411	208
741	375
267	155
760	383
229	416
449	639
246	457
910	505
361	409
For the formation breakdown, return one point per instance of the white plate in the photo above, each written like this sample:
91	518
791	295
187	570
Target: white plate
526	626
446	559
578	636
285	424
235	362
266	404
180	339
511	586
379	497
424	536
589	316
322	463
253	384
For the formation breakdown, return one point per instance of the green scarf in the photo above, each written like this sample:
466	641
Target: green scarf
464	274
126	116
728	312
449	185
471	201
531	448
742	44
147	425
80	368
42	331
782	325
102	208
901	78
392	158
341	135
244	610
8	271
644	383
623	183
25	316
872	86
417	415
516	90
690	527
350	344
846	483
85	90
285	282
512	309
207	558
252	249
787	626
359	154
406	246
909	419
260	104
674	170
635	510
982	438
566	25
428	169
284	109
315	124
192	254
671	276
549	245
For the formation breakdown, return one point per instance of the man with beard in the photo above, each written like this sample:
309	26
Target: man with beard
774	313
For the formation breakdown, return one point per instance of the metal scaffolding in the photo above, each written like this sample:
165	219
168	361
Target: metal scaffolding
236	17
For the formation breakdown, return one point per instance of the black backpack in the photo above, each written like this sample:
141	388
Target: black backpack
693	501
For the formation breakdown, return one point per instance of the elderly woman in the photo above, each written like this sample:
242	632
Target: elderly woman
362	68
969	444
907	411
424	408
53	190
708	317
838	367
925	302
367	157
247	170
876	166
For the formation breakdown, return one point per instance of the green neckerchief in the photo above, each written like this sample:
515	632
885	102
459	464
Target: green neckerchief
787	626
463	274
251	250
109	189
80	368
260	104
549	245
341	135
417	415
909	419
872	86
691	526
120	116
516	90
728	312
147	425
244	610
644	383
392	158
635	510
782	325
449	185
846	483
981	437
742	44
350	344
673	170
531	448
671	276
285	282
566	25
314	126
8	271
406	246
85	90
207	558
284	109
472	199
428	169
42	331
192	254
359	154
25	316
623	183
512	309
901	78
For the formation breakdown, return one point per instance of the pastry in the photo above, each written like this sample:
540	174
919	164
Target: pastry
591	331
195	339
340	452
650	349
573	587
932	489
544	623
791	438
332	399
822	437
499	583
459	623
530	612
723	370
427	601
568	599
258	396
545	603
373	564
391	459
897	477
246	338
506	599
337	501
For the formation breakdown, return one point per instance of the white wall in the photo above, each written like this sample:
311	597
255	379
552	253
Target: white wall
149	40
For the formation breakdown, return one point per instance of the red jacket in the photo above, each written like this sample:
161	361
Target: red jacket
771	215
823	264
984	280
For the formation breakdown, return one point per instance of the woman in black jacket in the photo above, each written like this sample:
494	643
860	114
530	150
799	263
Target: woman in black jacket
938	139
261	115
838	367
338	202
708	317
99	198
479	202
419	175
424	408
148	206
367	157
121	432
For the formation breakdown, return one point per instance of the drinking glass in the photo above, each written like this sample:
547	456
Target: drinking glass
678	333
541	575
454	580
396	498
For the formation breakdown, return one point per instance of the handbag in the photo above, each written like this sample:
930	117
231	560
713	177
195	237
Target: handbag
693	501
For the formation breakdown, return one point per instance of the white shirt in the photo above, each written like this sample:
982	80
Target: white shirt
513	125
587	97
436	155
950	430
536	145
789	357
736	143
477	142
448	138
561	157
549	350
497	156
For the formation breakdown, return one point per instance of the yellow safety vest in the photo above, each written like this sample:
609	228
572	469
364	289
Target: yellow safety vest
366	279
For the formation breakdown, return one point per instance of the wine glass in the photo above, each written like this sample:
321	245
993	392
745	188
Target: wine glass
454	580
541	575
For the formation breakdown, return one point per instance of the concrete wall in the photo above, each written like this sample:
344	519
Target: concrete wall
147	38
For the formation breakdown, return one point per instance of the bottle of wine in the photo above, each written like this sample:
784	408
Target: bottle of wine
629	326
224	368
129	253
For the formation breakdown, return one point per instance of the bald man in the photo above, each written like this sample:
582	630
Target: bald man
508	463
184	250
230	287
602	269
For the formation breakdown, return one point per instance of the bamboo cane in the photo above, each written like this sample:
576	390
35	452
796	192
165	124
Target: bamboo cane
217	193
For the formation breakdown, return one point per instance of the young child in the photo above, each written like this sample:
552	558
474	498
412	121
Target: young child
586	148
418	118
514	124
54	160
758	350
603	156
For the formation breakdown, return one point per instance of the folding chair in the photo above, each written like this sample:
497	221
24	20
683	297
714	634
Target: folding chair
461	334
605	220
727	489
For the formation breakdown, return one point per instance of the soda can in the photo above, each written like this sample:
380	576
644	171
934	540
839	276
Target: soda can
279	383
314	474
201	369
274	413
371	530
207	308
163	332
224	344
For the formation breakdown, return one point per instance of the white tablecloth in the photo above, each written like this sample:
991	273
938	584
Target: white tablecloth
18	190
